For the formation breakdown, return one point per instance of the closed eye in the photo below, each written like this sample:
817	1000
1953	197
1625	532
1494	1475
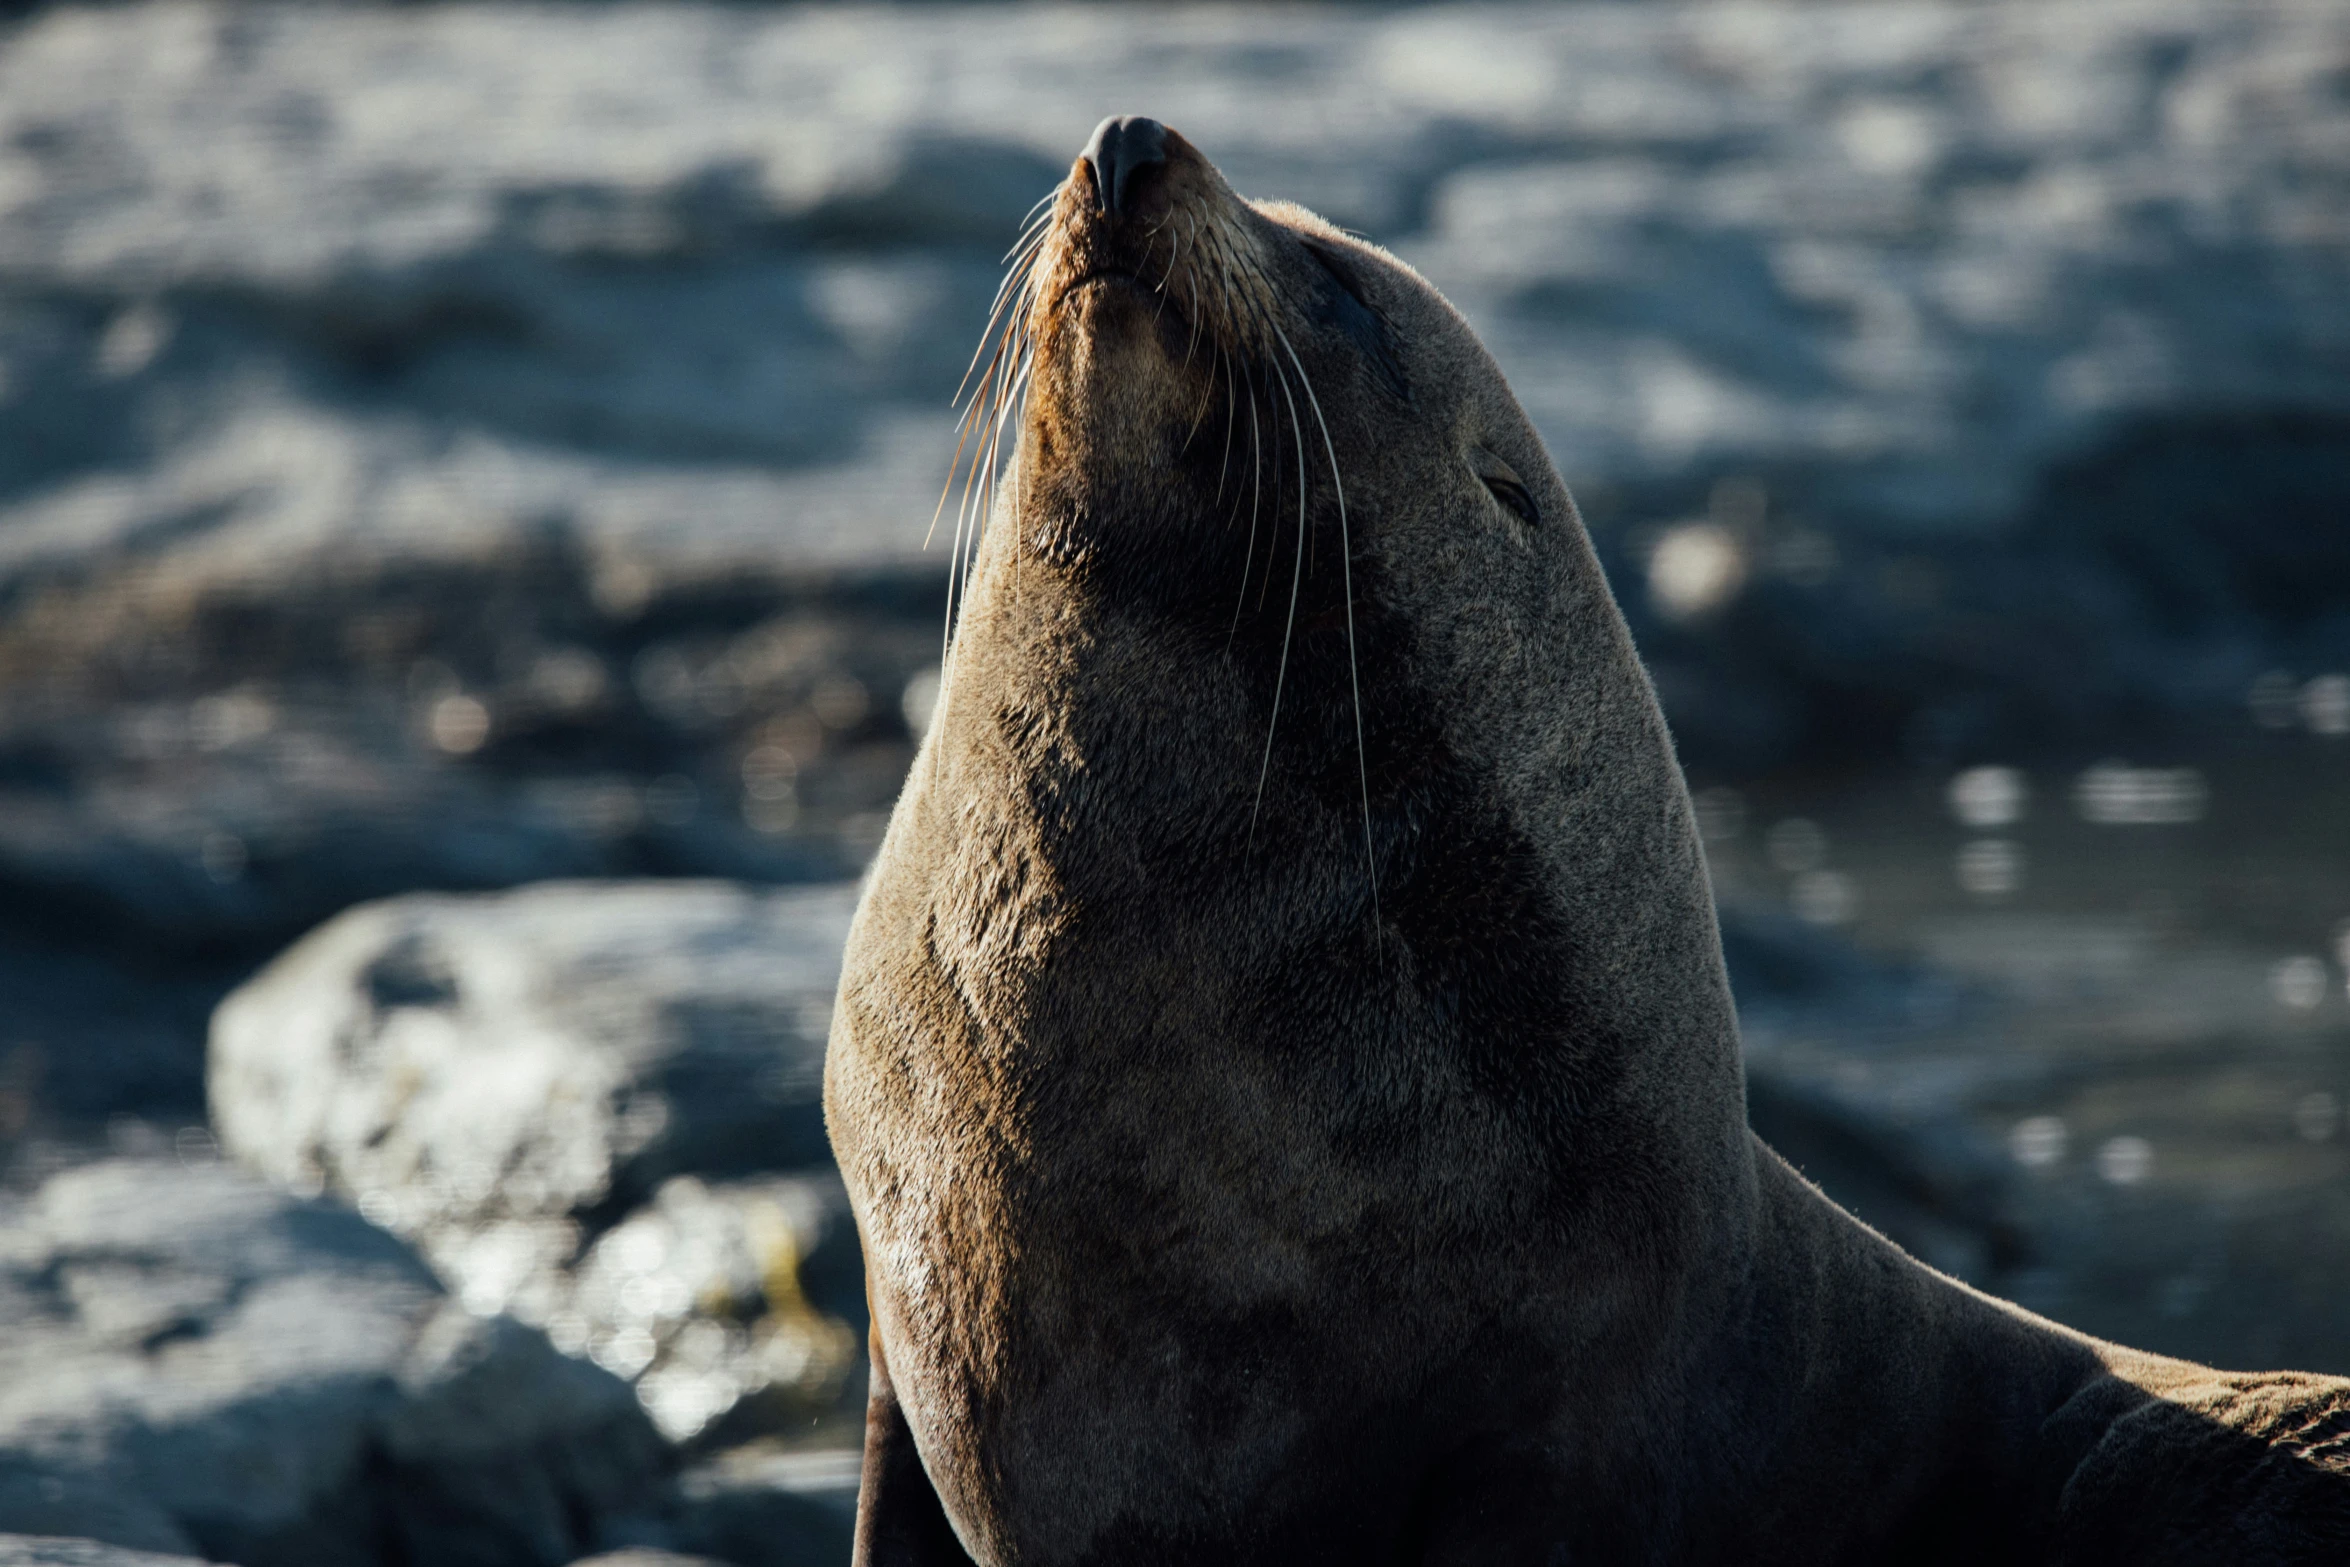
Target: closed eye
1513	495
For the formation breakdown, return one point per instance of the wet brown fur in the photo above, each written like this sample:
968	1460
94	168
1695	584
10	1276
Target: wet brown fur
1334	1149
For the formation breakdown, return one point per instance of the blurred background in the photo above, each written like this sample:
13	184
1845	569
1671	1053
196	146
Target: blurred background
464	473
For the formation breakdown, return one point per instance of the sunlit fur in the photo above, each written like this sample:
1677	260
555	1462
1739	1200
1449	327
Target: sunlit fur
1284	1070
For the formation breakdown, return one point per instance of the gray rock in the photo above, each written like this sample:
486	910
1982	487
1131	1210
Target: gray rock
1886	251
738	1307
286	1383
764	1507
550	1054
198	766
88	1502
25	1550
1910	273
90	1033
545	1090
453	497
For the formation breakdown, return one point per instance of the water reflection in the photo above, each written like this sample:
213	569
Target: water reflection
2125	1161
2144	1019
2037	1141
2325	705
1989	796
2115	794
1990	868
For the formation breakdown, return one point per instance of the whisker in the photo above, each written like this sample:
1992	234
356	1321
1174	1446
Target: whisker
1231	418
1006	396
1028	218
1346	570
1296	576
1174	249
1010	350
1009	399
1207	391
1256	485
1018	278
974	418
1036	219
1189	346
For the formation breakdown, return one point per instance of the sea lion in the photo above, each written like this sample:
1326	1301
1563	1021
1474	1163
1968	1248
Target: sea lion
1284	1070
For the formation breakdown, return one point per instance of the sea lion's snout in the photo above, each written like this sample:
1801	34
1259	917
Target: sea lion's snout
1123	149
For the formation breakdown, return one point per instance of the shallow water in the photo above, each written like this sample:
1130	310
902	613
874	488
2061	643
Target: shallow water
2128	982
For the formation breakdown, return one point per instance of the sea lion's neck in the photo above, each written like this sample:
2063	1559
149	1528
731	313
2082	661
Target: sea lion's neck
1946	1392
1537	952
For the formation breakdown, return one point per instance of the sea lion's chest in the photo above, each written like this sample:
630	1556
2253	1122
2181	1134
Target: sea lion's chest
1137	1260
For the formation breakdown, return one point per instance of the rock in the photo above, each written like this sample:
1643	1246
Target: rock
89	1503
551	1054
211	770
453	498
286	1383
646	1557
759	1506
89	1034
24	1550
547	1089
1897	277
738	1307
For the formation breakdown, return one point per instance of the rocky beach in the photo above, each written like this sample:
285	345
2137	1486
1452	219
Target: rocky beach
465	612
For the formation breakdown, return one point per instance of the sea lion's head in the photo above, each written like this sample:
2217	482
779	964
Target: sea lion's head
1287	709
1281	588
1273	452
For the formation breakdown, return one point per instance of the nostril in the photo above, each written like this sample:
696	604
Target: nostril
1123	146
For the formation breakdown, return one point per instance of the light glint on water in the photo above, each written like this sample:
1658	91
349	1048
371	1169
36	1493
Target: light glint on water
1695	568
2115	794
2037	1141
1721	814
2125	1161
1796	844
2325	705
1984	797
1990	867
2298	983
1823	897
2275	700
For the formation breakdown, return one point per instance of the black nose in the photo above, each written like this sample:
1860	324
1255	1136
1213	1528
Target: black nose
1122	147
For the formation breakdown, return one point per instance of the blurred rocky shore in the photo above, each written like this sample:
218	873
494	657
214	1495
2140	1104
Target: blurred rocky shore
454	449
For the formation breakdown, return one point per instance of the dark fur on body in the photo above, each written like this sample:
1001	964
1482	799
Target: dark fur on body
1226	1202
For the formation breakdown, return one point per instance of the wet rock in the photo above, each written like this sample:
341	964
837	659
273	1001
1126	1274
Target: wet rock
286	1383
761	1506
88	1034
455	498
548	1091
86	1502
738	1307
553	1053
1863	300
209	770
24	1550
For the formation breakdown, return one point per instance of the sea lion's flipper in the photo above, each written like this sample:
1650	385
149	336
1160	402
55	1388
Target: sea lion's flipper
899	1520
2210	1467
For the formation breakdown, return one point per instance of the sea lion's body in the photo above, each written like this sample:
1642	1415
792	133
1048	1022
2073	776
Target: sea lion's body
1336	1151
